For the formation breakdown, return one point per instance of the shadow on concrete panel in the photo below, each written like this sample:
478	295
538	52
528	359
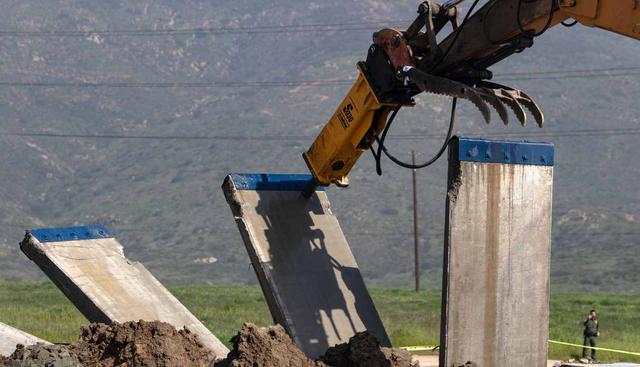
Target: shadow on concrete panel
305	266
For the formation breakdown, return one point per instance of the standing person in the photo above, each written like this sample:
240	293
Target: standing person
590	334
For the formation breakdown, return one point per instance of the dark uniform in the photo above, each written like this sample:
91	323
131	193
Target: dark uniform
590	335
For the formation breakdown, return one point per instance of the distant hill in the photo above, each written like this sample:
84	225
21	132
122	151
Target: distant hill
162	196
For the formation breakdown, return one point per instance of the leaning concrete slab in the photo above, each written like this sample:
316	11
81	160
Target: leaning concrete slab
497	254
89	267
10	337
308	274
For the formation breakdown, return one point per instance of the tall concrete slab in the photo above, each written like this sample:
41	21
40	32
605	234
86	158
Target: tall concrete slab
88	265
308	274
497	254
10	337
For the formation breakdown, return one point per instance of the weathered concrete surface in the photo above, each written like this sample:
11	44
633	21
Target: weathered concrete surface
106	287
308	274
10	337
497	263
433	361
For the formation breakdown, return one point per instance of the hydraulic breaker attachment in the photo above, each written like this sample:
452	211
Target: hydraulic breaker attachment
360	117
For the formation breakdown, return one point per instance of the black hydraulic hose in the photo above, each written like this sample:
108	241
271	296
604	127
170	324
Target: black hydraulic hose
569	24
417	166
380	141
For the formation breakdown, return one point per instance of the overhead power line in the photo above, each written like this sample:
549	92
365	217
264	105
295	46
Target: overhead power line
547	72
148	137
562	77
284	28
238	84
539	75
529	134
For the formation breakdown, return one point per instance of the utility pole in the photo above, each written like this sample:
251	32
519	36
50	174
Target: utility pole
415	225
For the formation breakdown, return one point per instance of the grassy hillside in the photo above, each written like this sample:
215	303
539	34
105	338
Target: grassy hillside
162	197
410	318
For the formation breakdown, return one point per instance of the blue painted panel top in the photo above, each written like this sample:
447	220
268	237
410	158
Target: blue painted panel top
91	232
505	152
272	182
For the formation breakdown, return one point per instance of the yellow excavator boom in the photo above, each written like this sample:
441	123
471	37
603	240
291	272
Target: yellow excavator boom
619	16
402	64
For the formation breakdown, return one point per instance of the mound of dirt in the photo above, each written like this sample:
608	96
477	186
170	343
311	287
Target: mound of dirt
133	344
158	344
41	355
364	350
255	346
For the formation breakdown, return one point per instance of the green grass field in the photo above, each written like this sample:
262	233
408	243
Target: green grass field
410	318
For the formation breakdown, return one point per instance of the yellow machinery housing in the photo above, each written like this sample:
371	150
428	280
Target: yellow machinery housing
359	118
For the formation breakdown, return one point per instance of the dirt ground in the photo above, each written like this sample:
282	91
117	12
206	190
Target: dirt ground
140	344
255	346
157	344
41	355
364	350
131	344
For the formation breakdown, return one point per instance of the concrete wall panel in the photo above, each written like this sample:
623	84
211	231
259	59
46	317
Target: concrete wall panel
497	256
306	269
104	285
10	337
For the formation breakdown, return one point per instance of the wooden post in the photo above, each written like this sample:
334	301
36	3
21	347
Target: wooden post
415	225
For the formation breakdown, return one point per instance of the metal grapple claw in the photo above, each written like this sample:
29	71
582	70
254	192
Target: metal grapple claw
513	103
533	107
515	99
495	102
438	85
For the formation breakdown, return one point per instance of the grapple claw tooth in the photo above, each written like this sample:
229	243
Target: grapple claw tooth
480	104
494	101
533	107
513	102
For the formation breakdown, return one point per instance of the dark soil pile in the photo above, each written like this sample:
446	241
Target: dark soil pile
272	347
41	355
255	346
133	344
364	350
157	344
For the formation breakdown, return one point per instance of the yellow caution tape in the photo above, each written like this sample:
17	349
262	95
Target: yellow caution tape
596	348
421	348
425	348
